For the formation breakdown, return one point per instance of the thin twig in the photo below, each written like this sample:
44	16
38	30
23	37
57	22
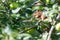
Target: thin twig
2	11
28	29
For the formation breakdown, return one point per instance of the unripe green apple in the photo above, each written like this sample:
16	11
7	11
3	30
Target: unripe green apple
14	5
47	1
11	6
57	27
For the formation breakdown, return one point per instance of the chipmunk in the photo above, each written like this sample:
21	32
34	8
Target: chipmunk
39	14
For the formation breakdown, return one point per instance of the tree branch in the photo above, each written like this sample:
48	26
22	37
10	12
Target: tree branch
50	32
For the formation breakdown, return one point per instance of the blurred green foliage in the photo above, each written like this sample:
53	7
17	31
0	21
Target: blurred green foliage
18	23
